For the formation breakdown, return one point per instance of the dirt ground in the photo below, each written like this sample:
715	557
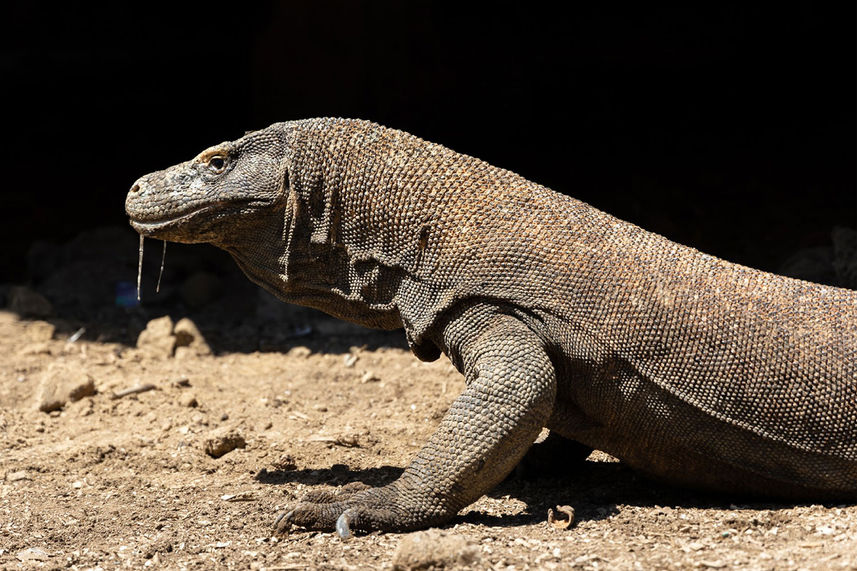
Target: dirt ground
104	477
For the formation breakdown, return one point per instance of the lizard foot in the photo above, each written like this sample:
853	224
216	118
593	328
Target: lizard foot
353	506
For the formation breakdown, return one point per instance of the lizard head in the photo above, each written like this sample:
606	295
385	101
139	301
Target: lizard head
213	196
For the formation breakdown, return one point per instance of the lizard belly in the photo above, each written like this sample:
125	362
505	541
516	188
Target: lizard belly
659	434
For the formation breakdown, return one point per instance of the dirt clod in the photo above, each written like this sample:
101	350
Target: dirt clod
224	441
157	339
61	386
434	549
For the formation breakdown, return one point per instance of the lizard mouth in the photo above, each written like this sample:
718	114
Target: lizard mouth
151	227
156	227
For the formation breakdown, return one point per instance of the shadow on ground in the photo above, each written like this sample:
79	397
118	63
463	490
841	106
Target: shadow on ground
595	489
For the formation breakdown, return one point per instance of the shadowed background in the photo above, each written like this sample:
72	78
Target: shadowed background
727	128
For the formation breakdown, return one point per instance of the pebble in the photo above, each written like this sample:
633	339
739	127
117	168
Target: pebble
224	441
369	377
33	554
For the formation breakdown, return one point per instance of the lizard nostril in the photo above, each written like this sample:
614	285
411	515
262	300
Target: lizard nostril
135	188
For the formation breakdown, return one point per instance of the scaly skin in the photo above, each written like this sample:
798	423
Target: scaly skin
687	367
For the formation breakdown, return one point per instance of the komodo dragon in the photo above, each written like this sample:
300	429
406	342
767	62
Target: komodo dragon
687	367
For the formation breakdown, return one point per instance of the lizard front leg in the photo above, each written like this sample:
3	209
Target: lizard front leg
511	387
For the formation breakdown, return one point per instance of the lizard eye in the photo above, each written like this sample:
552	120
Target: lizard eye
217	163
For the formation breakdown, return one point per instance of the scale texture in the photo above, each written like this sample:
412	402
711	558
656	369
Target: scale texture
687	367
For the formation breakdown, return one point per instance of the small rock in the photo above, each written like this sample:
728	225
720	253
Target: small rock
33	554
188	335
369	377
349	360
200	289
40	331
189	401
433	549
26	302
300	352
224	441
157	338
60	386
239	497
17	476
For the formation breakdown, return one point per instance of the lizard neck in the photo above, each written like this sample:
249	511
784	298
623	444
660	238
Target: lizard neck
277	252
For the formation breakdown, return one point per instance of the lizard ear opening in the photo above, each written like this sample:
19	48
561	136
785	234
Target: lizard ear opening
286	185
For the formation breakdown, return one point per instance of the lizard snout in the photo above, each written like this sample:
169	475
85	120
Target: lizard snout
138	202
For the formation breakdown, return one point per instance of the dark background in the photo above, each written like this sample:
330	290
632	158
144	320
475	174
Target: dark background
728	128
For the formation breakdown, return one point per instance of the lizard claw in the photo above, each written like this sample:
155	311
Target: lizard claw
283	523
343	524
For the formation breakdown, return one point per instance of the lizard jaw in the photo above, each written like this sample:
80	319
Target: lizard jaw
171	228
194	226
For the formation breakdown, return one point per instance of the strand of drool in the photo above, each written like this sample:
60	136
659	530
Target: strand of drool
161	273
140	266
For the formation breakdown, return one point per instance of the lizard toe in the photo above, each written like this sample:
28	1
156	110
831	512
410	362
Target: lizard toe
317	516
283	523
347	511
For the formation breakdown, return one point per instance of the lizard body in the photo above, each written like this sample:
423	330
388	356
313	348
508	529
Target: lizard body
687	367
